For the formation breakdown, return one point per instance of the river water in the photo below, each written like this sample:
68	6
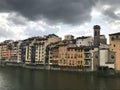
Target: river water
12	78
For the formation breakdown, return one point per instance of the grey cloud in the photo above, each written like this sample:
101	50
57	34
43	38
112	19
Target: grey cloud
5	34
17	19
37	32
109	13
53	11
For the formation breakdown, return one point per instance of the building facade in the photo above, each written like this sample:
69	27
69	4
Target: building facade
96	35
103	39
115	46
84	41
16	52
37	49
69	37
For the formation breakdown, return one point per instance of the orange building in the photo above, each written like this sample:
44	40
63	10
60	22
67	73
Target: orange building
115	46
53	55
9	50
65	54
72	56
62	60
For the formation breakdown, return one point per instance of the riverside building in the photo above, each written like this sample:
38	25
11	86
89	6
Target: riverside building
85	53
115	46
37	49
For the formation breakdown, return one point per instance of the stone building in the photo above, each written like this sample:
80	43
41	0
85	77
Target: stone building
105	57
96	35
69	37
115	46
84	41
103	39
98	39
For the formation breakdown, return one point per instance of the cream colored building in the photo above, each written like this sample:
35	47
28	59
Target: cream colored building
36	50
115	46
16	52
106	58
29	53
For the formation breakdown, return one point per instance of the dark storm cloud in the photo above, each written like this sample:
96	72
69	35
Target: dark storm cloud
53	11
111	14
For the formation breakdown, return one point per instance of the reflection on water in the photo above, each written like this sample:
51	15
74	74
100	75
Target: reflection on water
27	79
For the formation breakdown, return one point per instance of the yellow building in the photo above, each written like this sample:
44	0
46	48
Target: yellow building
115	46
80	56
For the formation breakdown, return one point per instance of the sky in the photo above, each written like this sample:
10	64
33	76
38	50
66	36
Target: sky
21	19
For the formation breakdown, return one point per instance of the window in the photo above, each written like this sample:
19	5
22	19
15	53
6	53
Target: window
71	55
112	38
72	62
96	56
78	62
75	55
81	55
112	56
68	55
64	61
116	36
87	63
81	62
114	45
60	61
78	55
